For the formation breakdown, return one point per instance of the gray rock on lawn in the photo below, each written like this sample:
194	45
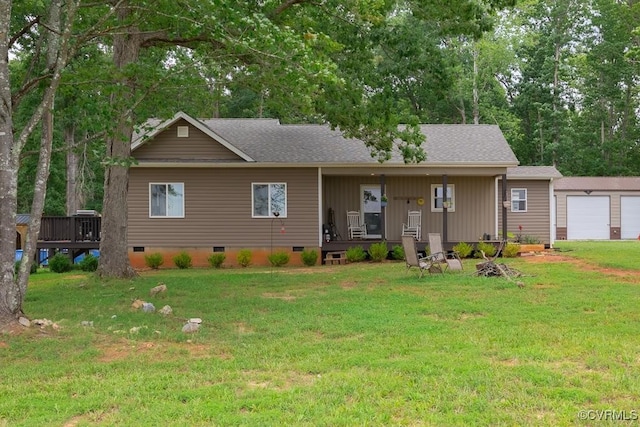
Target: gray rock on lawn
24	322
166	310
148	307
158	290
192	325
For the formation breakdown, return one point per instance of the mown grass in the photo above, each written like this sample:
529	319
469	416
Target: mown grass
362	344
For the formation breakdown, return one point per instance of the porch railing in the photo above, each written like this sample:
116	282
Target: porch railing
70	229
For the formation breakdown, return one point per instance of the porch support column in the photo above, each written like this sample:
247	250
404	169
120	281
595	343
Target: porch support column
504	206
383	209
445	237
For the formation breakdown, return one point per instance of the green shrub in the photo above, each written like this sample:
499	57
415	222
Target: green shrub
153	261
89	263
309	257
488	249
378	251
34	267
397	252
463	249
529	240
216	259
182	260
356	254
60	263
278	259
244	257
510	250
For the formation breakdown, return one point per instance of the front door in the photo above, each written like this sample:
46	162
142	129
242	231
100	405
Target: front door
371	210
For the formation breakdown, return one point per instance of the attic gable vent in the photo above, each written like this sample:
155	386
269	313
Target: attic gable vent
183	131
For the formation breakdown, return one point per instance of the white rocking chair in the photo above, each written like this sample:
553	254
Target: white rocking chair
357	228
413	227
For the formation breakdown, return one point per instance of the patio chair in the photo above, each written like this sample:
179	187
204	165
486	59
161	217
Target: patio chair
357	228
451	259
412	259
413	227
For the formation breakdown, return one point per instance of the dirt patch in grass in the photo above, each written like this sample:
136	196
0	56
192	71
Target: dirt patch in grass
283	297
123	349
632	276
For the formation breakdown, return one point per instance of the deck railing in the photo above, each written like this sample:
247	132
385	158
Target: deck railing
70	229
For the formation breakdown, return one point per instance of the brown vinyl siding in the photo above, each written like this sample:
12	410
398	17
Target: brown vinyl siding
474	204
198	145
536	221
218	209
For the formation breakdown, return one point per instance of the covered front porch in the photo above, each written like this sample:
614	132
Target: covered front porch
460	206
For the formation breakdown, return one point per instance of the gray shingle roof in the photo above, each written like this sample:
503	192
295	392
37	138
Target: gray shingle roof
268	141
533	172
595	183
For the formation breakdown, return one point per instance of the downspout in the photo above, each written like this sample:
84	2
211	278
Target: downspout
504	206
496	226
445	237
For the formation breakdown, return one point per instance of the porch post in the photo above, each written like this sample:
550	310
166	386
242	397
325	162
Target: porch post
445	238
383	209
504	207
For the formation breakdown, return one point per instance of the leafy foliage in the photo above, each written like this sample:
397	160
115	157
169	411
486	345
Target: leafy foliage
397	252
244	257
356	254
182	260
463	249
154	261
378	252
216	259
309	257
89	263
60	263
278	259
488	249
510	250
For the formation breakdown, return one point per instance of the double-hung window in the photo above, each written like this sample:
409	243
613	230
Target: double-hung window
518	200
438	201
166	200
269	200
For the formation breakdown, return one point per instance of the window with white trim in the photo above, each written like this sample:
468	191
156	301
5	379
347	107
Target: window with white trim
437	200
166	200
518	200
269	200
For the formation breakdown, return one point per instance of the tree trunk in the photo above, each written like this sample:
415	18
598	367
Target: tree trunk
11	292
10	301
114	258
71	204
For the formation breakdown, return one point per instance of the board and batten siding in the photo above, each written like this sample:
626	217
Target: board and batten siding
474	214
218	209
198	145
536	221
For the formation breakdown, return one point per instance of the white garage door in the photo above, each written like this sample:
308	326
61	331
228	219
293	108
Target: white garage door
630	217
588	218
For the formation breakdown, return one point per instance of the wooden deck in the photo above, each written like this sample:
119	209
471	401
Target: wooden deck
74	235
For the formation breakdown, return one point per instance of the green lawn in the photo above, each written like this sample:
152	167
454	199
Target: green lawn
361	344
